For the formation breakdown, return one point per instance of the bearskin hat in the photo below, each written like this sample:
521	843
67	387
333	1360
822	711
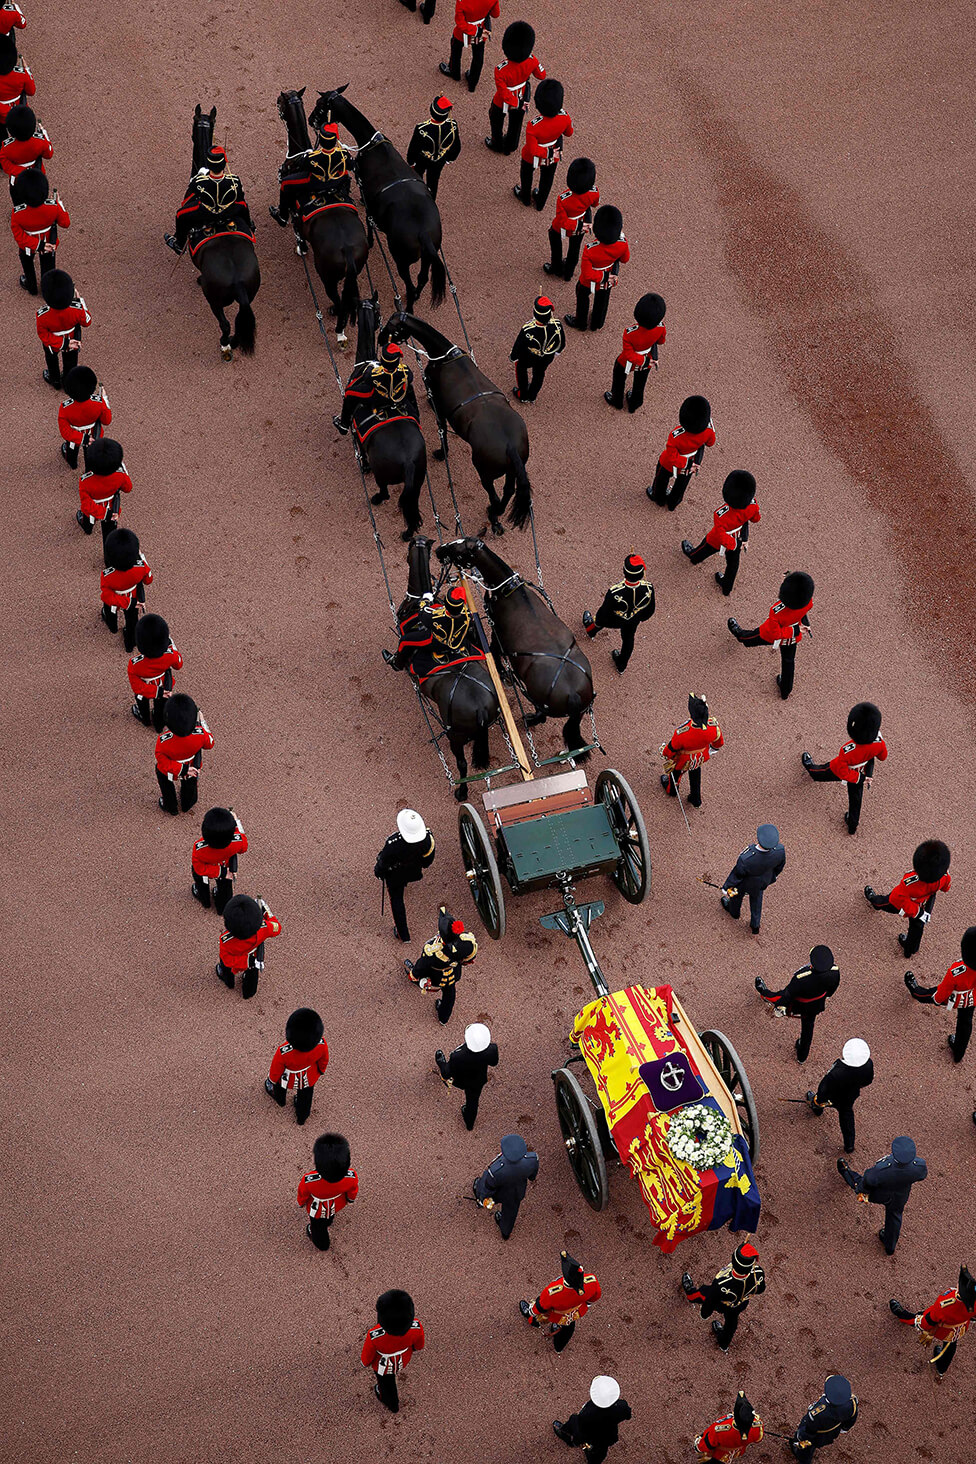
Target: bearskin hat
608	224
8	54
967	1288
697	707
81	384
739	488
30	187
21	123
152	636
304	1029
242	915
581	175
57	288
518	40
331	1157
743	1415
122	549
864	722
695	413
931	860
104	455
796	590
549	97
967	947
219	827
181	713
649	311
573	1273
395	1309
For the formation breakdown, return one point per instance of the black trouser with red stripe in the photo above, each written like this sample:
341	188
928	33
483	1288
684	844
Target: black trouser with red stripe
318	1232
574	245
538	196
386	1387
529	386
430	172
68	358
727	578
628	631
505	139
821	773
913	937
787	659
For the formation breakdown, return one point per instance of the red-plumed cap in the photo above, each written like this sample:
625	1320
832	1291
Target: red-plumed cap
457	927
634	566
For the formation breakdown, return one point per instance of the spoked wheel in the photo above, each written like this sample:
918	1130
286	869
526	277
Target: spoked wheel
581	1136
481	870
632	875
733	1075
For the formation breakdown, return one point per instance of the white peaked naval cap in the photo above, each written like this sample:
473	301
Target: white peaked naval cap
411	826
856	1052
476	1037
604	1391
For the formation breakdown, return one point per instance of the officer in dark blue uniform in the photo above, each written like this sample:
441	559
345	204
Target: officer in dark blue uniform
504	1182
834	1413
888	1183
756	868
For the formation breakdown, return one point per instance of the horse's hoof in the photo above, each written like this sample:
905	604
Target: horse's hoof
497	528
460	795
438	454
342	341
226	353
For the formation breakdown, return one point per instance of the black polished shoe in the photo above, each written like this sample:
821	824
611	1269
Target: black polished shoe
734	627
806	759
83	522
608	398
445	70
687	547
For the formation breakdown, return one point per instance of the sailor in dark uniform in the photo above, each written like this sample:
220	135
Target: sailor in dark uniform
402	861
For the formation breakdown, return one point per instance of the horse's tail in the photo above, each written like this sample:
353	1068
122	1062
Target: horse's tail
438	274
410	499
573	726
245	326
350	286
480	751
522	503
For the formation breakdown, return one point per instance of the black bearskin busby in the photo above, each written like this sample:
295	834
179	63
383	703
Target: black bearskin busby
30	187
104	455
152	637
181	713
796	590
931	860
304	1029
695	413
122	549
608	224
967	947
518	41
58	289
743	1415
549	97
573	1273
21	123
967	1288
219	827
739	488
864	722
697	708
242	915
8	55
395	1309
331	1157
649	311
581	175
80	383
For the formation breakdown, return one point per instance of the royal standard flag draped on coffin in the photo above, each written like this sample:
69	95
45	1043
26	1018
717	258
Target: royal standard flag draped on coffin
615	1035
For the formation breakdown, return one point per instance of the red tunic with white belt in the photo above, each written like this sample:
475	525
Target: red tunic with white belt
55	326
782	625
571	211
75	419
236	951
639	342
850	762
96	491
544	138
911	893
956	987
470	17
11	17
727	525
510	80
322	1199
559	1304
13	86
596	267
174	753
146	673
682	446
210	863
119	585
31	225
15	155
947	1319
294	1069
386	1354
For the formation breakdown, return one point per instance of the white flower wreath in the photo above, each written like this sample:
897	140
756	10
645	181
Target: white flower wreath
699	1136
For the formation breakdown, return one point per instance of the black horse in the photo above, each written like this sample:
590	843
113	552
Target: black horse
545	659
397	201
333	231
466	400
396	448
464	694
228	264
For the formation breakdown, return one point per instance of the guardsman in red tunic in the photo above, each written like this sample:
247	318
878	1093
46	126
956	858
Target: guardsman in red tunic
390	1345
179	751
60	322
434	144
83	414
600	269
729	534
561	1304
729	1437
16	81
151	669
854	764
784	626
214	858
11	17
472	28
955	992
512	87
683	452
101	485
214	202
537	345
27	144
248	924
914	896
638	353
328	1188
123	584
729	1293
948	1318
574	214
625	606
691	746
34	223
299	1062
543	144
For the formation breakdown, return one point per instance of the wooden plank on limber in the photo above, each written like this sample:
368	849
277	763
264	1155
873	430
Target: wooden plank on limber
525	767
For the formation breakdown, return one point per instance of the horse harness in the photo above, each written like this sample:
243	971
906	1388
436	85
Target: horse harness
509	586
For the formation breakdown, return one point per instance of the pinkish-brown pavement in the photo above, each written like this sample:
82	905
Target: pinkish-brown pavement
793	181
